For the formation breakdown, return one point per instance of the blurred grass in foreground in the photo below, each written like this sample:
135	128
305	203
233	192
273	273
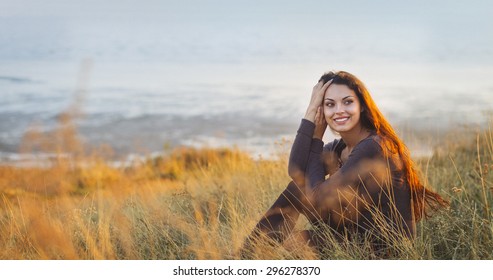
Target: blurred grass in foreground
202	203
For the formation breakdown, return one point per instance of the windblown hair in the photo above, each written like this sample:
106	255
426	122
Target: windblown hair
423	199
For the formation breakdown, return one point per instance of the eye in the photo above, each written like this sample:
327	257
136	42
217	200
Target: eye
348	102
329	104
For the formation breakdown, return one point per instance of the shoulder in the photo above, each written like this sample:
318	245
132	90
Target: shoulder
374	147
371	146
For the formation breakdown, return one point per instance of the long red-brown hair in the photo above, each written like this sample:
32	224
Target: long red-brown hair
423	199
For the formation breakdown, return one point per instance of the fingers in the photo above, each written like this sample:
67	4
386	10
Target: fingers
321	83
320	87
317	100
327	84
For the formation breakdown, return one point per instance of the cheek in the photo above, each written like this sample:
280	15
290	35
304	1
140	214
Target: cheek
355	109
328	112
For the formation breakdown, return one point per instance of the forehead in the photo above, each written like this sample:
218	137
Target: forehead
336	91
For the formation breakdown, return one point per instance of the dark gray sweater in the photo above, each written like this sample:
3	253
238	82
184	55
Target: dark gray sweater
367	192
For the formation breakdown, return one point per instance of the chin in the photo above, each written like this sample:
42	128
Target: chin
343	129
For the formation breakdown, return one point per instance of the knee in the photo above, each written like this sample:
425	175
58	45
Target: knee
285	199
293	196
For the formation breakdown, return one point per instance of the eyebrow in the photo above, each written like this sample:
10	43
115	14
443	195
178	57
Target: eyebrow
342	99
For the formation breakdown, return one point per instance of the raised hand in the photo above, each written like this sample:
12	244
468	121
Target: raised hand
316	100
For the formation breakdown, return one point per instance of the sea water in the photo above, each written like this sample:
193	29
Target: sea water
148	74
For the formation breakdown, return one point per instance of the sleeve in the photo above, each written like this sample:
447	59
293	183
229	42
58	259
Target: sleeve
300	151
315	170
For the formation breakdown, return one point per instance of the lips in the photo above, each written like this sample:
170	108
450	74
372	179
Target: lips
341	120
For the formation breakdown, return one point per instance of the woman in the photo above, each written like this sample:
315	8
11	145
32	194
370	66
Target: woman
372	189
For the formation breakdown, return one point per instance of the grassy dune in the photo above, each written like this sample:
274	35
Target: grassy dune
202	203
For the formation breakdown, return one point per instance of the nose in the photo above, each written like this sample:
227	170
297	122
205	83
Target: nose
339	109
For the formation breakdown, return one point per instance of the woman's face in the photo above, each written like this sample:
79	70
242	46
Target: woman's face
342	108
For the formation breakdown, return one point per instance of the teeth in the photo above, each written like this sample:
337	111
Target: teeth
341	119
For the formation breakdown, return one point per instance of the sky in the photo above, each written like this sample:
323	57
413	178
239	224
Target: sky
261	29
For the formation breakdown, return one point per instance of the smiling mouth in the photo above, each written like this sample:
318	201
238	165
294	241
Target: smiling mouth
341	120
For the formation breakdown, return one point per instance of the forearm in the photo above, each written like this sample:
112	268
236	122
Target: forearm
300	151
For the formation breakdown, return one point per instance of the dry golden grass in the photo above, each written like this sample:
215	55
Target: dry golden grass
202	204
192	204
